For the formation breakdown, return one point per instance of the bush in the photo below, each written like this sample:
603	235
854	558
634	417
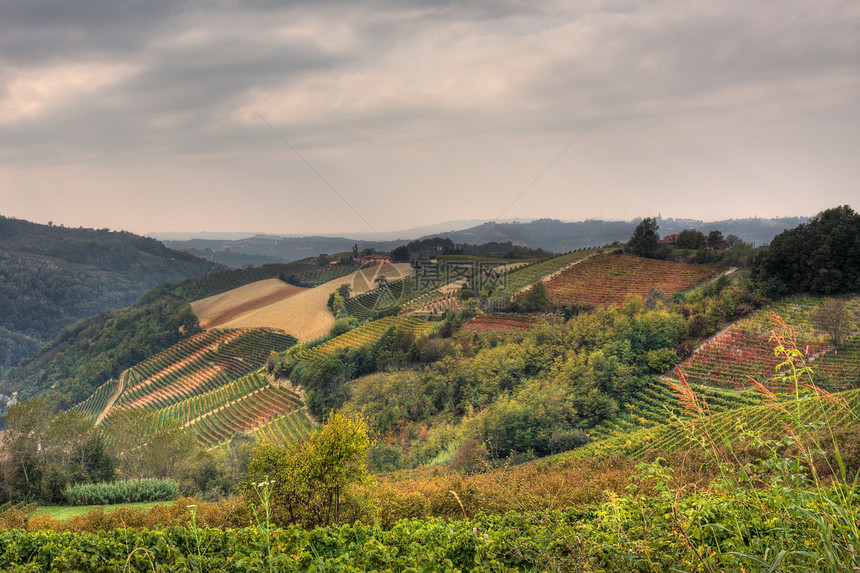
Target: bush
126	491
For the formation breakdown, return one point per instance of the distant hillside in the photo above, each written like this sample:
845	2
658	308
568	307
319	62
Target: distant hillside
261	249
548	234
51	277
559	236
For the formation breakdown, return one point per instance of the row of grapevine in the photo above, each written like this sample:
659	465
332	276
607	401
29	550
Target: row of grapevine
515	281
502	323
244	414
365	334
797	311
842	366
433	303
292	427
734	356
393	294
656	405
192	368
322	275
193	346
843	409
610	279
93	406
198	405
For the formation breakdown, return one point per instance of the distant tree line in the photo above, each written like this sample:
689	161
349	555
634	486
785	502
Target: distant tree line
438	246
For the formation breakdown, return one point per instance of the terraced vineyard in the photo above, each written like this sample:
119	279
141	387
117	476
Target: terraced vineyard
502	323
733	421
394	294
657	405
93	406
610	279
745	349
433	303
519	279
199	405
734	424
730	358
203	362
363	335
796	311
315	277
245	413
288	428
843	367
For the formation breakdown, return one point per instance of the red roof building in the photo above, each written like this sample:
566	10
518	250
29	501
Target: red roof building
376	260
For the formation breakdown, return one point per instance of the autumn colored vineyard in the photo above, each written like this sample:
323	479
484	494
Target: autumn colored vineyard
610	279
734	356
201	363
515	281
745	350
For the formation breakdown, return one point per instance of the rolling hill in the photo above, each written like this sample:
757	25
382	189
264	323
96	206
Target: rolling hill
51	277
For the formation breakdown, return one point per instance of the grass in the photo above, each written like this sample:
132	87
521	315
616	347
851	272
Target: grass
66	512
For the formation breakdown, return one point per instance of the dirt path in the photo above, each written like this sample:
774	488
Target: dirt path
112	399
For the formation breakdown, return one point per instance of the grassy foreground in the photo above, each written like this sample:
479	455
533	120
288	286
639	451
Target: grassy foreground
66	512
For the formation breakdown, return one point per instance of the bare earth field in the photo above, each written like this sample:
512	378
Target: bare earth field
219	309
298	311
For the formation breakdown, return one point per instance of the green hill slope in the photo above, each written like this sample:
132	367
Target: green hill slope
51	277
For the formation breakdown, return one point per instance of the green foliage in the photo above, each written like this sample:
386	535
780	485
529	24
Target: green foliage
144	446
96	349
536	299
643	242
690	239
715	240
310	478
51	277
44	451
125	491
820	257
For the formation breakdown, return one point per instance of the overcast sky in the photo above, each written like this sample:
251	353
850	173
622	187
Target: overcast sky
277	116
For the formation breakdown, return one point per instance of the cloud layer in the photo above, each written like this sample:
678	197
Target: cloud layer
155	116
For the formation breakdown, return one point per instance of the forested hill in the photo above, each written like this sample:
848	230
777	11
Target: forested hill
51	277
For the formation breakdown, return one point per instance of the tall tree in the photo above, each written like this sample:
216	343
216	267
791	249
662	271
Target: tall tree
644	239
715	240
24	445
835	318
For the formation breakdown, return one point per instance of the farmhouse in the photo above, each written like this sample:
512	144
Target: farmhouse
669	239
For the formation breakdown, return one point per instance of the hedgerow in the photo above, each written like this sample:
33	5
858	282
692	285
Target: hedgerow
125	491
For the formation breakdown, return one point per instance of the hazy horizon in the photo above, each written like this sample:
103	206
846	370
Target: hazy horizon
337	118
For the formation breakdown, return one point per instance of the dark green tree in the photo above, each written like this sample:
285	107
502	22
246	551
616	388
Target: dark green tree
821	256
536	299
715	240
690	239
644	239
400	254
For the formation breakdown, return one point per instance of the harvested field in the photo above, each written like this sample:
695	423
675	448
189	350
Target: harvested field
219	309
303	313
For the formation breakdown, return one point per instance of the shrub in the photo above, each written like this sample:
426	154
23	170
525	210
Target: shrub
126	491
